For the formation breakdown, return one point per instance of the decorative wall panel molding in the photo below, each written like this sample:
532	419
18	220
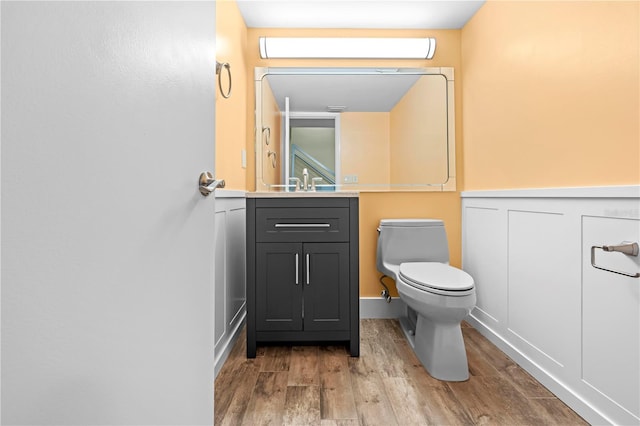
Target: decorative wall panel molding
572	326
230	272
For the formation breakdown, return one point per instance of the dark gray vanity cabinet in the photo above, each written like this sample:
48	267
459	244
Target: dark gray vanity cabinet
302	271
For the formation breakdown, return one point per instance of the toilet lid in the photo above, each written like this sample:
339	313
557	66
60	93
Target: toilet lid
435	275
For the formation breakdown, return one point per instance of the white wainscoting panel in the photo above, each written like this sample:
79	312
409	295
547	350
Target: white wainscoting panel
611	313
486	232
220	299
575	328
230	271
236	262
540	285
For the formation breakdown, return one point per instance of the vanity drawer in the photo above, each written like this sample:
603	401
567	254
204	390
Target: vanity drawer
308	224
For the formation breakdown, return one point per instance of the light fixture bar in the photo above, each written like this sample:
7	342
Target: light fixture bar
347	48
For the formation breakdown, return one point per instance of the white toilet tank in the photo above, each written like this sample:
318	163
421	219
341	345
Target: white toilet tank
410	240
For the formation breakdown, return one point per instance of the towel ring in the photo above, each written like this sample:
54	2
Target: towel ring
219	66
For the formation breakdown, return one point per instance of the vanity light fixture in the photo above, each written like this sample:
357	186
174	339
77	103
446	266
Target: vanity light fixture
347	48
336	108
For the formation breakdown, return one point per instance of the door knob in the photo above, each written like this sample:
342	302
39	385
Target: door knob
207	183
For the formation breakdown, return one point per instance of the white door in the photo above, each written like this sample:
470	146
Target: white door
107	245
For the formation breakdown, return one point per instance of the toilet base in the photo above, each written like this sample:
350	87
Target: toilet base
439	348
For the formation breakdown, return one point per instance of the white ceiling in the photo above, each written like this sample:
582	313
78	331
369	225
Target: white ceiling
385	14
314	93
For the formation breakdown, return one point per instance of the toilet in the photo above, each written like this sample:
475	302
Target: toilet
415	253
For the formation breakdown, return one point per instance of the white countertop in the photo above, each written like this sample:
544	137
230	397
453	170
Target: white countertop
302	194
230	193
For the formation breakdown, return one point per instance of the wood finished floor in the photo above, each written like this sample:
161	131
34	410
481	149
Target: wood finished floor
386	385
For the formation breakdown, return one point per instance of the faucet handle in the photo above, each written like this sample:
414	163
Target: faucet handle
297	183
313	182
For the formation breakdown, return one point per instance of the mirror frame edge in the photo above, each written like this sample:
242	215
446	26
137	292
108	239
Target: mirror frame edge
449	186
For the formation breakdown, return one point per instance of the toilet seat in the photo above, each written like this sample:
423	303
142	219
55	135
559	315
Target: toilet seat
438	278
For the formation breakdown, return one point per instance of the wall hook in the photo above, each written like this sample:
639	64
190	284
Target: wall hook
267	132
273	156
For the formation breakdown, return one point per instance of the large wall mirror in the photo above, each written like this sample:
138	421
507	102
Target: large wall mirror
365	129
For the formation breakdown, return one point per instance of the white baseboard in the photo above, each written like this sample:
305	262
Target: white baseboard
221	356
575	402
377	307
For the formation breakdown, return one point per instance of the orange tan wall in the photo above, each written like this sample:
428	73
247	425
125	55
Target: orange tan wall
418	129
375	206
231	113
364	146
551	95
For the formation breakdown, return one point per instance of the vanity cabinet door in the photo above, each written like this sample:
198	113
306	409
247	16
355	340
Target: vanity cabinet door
326	286
278	286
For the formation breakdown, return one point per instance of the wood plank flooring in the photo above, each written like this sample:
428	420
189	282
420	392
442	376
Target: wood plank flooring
386	385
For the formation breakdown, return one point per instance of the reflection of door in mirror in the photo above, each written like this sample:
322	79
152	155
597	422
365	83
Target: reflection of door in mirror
312	146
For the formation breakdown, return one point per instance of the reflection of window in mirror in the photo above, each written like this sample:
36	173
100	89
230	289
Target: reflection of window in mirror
313	147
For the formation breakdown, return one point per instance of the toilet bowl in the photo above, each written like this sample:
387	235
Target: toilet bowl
414	252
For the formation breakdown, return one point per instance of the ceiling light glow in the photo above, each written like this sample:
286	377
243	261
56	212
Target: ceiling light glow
347	48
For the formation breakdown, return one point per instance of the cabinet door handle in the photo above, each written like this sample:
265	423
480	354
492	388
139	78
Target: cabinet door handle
297	271
302	225
307	268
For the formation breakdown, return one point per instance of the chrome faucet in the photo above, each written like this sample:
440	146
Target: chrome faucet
305	179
